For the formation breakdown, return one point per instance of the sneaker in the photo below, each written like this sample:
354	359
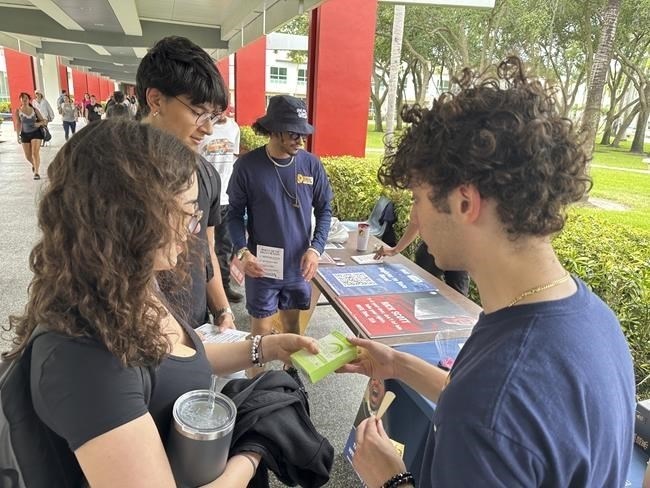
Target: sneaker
232	295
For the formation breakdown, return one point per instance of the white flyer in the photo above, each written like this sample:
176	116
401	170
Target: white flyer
211	334
272	260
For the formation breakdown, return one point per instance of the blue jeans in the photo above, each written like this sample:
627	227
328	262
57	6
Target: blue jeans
68	126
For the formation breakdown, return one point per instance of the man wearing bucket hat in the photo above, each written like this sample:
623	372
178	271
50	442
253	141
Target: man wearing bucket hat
278	185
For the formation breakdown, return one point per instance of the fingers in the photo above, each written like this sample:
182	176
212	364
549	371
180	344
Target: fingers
352	368
358	341
380	430
308	343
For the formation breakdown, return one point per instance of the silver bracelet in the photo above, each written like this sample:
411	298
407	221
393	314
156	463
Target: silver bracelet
255	351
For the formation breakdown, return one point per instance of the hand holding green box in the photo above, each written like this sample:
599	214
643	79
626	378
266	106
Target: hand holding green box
335	351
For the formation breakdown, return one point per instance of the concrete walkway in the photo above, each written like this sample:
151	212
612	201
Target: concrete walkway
334	401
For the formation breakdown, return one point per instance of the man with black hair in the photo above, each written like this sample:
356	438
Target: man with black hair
118	108
542	392
277	186
180	91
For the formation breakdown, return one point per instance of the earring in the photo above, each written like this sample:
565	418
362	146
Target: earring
155	114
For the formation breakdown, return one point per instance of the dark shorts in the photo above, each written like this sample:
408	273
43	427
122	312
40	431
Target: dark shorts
264	296
27	137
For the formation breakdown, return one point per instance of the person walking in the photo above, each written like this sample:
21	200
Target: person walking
221	149
43	106
278	186
28	126
542	393
69	115
94	110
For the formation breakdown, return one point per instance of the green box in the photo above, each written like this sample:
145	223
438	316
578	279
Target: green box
335	351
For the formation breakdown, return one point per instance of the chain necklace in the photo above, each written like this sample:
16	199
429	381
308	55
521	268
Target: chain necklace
537	289
294	198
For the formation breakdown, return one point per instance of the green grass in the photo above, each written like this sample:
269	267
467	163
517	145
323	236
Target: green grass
628	188
620	157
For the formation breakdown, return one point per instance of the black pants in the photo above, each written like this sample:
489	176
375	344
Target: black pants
69	126
223	246
458	280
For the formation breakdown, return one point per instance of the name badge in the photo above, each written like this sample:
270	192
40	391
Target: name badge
304	180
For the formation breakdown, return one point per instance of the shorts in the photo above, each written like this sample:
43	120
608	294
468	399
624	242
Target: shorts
264	296
27	137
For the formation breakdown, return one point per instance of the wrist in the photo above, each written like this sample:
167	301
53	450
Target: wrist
314	250
242	253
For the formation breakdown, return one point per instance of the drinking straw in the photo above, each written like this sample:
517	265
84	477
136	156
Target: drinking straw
213	392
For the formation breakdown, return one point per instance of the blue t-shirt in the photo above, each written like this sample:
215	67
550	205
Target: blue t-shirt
267	193
541	395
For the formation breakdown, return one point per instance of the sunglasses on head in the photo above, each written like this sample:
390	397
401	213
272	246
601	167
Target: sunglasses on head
194	225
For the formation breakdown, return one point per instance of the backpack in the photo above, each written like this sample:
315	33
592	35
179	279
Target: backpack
31	455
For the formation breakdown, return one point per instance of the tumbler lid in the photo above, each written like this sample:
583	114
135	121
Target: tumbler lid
196	417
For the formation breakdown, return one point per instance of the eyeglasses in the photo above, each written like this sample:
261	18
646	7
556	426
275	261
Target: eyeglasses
204	117
194	225
295	136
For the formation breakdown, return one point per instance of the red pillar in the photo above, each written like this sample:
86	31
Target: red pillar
63	77
223	65
341	44
80	85
93	86
250	82
105	88
20	75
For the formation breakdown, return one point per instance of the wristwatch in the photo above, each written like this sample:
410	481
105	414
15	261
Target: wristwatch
241	252
223	311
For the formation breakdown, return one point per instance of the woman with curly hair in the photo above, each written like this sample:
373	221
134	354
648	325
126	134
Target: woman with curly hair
119	209
542	392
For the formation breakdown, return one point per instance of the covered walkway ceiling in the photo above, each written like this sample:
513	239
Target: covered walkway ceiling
110	37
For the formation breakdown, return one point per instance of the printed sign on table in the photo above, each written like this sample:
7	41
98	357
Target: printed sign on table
374	280
405	313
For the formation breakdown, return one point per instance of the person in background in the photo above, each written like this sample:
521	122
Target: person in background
181	91
96	293
94	110
69	115
28	126
458	280
84	106
133	106
220	149
542	393
60	100
43	106
118	108
278	186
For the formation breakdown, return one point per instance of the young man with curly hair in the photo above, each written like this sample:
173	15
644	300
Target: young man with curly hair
542	393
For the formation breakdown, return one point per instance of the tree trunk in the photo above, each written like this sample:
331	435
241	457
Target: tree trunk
393	73
599	72
639	134
376	108
622	129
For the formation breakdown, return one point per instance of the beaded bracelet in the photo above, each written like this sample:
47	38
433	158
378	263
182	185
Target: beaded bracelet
399	479
255	351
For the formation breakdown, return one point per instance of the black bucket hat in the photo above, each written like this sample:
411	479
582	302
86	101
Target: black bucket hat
286	114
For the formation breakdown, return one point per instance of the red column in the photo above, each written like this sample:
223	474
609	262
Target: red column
223	65
250	82
93	86
341	44
20	74
105	88
63	77
80	85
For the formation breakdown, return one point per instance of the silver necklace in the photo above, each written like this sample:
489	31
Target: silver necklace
294	198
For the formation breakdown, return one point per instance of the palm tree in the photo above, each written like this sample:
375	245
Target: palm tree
599	71
393	74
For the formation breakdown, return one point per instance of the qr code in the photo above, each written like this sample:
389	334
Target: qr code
350	280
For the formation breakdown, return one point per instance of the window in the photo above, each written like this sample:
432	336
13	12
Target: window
278	75
302	76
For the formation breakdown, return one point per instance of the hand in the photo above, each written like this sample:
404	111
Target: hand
251	267
281	346
225	321
309	265
375	360
375	459
385	251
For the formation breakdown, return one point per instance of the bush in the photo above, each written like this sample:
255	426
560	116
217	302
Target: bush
248	140
613	260
5	107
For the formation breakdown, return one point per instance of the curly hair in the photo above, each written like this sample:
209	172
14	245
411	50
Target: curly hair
503	134
260	130
109	207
